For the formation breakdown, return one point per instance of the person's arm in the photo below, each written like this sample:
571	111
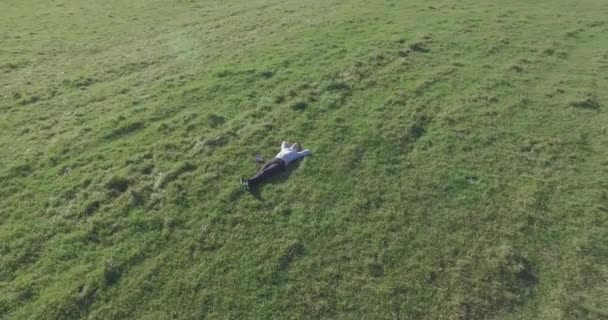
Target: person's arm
304	153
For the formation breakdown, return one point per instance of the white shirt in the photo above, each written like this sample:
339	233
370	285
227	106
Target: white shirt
290	153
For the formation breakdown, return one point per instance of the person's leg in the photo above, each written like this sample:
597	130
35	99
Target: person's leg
271	168
268	164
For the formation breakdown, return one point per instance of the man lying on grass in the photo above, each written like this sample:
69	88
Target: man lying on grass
289	153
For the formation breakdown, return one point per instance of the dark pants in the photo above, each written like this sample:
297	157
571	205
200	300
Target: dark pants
273	167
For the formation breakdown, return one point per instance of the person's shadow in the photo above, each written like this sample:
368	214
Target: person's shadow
256	191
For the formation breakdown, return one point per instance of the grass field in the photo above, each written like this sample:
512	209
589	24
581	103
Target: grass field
459	168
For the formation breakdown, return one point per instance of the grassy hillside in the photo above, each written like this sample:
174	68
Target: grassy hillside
459	172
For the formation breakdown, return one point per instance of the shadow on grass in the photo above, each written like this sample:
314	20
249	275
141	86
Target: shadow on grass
256	191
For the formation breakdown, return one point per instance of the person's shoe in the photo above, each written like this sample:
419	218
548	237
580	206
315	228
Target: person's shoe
244	184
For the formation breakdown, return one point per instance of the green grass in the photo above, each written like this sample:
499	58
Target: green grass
459	172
